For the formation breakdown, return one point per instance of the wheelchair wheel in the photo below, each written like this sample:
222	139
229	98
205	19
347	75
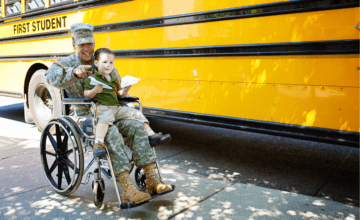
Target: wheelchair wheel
140	178
98	192
62	156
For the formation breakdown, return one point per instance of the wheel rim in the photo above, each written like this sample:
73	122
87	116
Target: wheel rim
60	158
43	102
99	192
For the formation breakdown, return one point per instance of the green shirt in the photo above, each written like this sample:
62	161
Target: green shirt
107	96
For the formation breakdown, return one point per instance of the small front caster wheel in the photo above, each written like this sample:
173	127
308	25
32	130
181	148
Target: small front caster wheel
140	178
98	192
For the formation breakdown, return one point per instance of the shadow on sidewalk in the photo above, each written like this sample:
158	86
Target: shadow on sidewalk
13	112
296	166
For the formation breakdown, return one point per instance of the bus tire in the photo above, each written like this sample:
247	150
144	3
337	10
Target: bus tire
27	114
44	100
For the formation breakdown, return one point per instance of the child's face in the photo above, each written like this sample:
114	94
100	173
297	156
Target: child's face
105	64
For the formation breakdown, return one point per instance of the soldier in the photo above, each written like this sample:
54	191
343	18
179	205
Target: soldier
68	73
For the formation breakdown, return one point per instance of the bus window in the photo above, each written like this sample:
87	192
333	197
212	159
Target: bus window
12	7
52	2
34	4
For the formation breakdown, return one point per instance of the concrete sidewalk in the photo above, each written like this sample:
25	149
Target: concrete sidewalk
195	197
26	194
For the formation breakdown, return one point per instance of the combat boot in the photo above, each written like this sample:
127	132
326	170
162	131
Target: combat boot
131	192
153	183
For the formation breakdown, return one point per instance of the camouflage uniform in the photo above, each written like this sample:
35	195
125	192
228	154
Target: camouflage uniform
61	75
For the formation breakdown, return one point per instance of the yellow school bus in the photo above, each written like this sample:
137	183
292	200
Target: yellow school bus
279	67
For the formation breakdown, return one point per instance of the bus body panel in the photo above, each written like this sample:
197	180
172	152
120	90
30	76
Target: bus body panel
318	88
11	70
299	27
252	88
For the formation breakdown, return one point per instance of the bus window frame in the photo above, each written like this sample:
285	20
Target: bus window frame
12	3
49	9
56	4
2	2
26	2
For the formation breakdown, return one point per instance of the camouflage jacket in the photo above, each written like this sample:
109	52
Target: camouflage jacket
61	75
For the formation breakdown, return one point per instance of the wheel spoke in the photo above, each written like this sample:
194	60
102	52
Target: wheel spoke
52	153
67	162
67	175
67	152
70	164
52	167
60	172
52	140
64	144
58	137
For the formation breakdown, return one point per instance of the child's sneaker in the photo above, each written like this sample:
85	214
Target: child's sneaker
159	138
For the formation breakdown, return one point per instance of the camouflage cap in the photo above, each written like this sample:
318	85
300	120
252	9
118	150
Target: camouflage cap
82	33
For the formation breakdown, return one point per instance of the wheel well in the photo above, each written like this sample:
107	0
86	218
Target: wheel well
29	74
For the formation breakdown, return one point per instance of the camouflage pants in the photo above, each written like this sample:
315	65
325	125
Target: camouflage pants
133	133
108	114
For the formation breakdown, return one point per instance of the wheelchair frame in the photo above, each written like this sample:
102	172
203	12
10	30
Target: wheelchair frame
69	140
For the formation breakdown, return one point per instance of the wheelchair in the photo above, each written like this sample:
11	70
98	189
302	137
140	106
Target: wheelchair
62	145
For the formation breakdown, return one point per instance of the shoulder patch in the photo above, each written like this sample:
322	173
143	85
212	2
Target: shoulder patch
60	63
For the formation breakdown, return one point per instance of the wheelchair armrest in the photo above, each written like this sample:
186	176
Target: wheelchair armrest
128	99
76	100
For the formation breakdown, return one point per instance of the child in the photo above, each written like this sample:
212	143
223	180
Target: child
107	105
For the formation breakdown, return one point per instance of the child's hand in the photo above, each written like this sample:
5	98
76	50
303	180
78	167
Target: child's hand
127	88
97	89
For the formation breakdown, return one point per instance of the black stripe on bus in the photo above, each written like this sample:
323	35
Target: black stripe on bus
233	13
216	15
330	136
297	48
45	56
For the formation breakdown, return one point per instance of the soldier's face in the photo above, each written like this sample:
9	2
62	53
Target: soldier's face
85	52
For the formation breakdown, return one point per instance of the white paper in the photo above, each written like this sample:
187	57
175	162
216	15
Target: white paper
95	82
128	81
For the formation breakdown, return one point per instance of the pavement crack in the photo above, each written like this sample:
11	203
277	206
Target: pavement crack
23	192
176	153
200	201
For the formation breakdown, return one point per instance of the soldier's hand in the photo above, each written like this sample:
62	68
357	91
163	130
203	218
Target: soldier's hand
83	71
98	88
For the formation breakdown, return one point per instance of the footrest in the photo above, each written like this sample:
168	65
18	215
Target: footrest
128	205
